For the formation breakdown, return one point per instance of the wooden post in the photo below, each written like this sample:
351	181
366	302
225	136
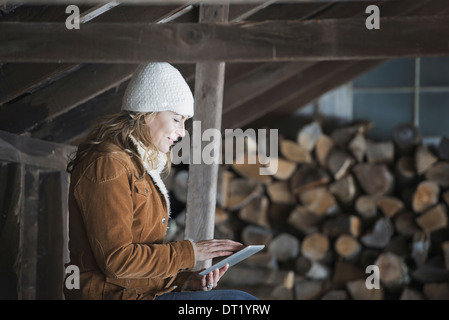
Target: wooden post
202	186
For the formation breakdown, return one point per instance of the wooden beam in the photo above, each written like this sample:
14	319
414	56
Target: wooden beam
17	79
352	69
57	130
62	96
330	39
281	93
202	190
289	102
165	2
34	152
259	81
78	121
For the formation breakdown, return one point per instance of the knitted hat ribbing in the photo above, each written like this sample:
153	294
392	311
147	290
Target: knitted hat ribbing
156	87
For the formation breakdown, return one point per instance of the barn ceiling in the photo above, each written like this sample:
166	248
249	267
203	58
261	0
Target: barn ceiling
55	83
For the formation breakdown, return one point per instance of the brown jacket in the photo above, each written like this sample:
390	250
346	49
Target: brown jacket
117	226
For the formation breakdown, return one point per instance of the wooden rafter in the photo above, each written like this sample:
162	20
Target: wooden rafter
331	39
60	97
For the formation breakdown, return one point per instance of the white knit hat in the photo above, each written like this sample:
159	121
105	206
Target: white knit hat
158	87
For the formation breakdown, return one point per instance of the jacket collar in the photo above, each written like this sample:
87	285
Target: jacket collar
154	172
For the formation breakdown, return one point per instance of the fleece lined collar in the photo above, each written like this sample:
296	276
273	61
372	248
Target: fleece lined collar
154	172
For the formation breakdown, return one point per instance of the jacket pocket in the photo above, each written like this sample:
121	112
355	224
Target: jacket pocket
142	188
117	289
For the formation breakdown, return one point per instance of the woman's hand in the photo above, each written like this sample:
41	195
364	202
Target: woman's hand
206	282
209	249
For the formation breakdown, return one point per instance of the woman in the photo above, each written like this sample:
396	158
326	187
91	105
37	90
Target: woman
119	207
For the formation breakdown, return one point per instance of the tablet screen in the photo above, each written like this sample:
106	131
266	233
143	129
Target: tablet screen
235	258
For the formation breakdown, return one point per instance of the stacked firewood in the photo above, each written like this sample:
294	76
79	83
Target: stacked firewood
338	207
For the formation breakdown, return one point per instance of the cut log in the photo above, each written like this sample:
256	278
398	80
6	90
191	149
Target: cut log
400	246
279	192
251	169
278	214
406	137
315	246
432	271
294	152
285	169
289	280
342	136
389	205
280	292
308	176
224	230
357	146
380	236
393	270
302	265
426	195
318	271
405	224
347	246
375	179
308	289
411	294
344	189
405	170
319	201
323	147
358	291
308	135
420	248
335	295
433	219
220	215
342	224
284	291
443	149
339	162
224	178
253	235
355	225
424	159
439	173
380	152
241	191
284	247
436	291
304	220
256	212
366	206
346	271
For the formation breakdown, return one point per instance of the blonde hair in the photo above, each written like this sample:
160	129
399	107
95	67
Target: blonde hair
117	129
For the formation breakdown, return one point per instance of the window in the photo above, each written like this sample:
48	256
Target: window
400	90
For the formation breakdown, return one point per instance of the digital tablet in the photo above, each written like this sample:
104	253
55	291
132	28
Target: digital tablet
235	258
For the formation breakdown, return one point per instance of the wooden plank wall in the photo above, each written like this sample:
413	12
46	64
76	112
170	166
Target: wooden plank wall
33	223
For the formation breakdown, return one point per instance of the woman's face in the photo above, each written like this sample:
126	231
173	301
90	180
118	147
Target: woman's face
165	128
